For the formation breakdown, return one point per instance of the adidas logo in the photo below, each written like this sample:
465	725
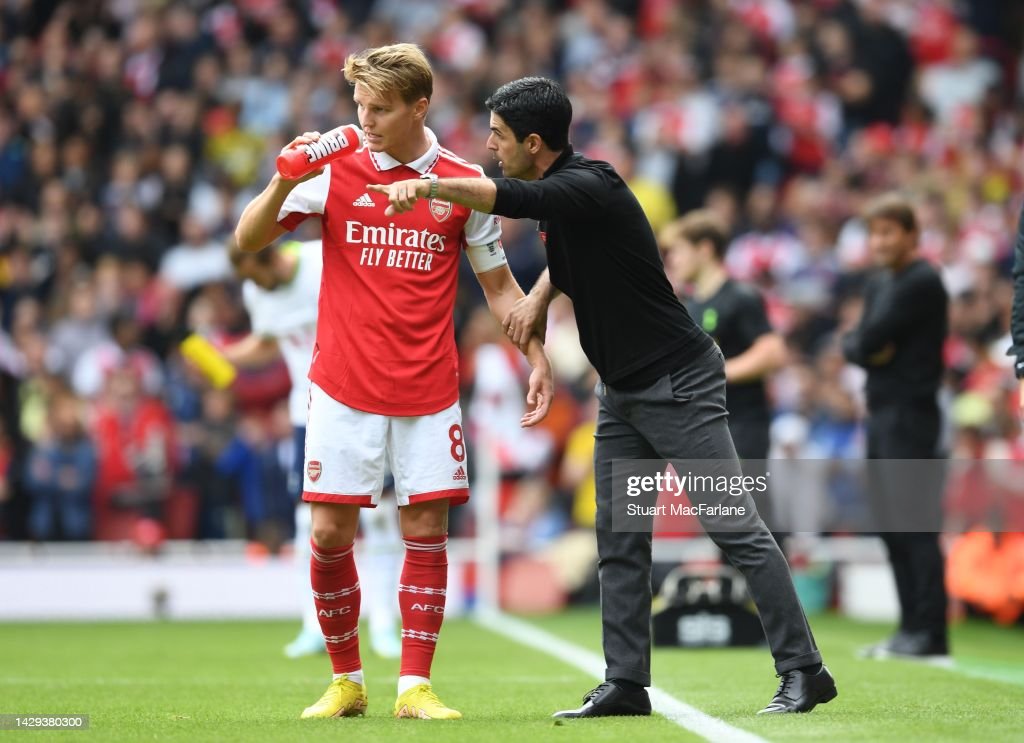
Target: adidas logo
364	200
460	473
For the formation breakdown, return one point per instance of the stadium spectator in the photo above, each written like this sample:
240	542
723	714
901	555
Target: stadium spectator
208	438
955	88
80	330
123	346
197	260
61	474
117	118
137	455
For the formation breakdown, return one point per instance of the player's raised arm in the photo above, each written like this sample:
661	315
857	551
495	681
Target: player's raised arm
259	226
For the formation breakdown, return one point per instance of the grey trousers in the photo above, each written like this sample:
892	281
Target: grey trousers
682	416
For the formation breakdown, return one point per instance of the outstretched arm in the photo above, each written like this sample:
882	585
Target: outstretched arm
476	193
252	352
572	193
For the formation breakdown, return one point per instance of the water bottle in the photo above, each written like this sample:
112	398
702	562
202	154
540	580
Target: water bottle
305	158
209	360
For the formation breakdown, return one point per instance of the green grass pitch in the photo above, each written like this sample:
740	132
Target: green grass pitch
228	681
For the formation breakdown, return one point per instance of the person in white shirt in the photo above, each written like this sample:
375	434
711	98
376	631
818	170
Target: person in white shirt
280	292
198	259
958	86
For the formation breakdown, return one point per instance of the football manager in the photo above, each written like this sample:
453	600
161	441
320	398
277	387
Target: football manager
662	389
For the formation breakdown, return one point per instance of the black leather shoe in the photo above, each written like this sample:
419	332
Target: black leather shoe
608	700
911	645
801	692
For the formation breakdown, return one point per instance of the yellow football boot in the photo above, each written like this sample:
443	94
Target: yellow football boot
421	702
343	698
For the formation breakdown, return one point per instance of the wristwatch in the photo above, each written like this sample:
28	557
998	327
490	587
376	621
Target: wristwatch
434	185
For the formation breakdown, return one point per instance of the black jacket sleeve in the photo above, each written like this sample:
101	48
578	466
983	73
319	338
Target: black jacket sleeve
568	193
1017	314
851	342
890	313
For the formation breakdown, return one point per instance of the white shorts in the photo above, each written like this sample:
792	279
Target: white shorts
348	452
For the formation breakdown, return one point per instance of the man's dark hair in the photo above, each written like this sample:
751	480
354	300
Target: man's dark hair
894	207
534	105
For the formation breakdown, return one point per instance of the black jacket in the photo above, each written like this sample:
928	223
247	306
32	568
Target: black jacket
905	322
1017	316
603	255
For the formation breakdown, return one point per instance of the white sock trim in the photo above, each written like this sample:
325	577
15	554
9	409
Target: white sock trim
356	676
407	682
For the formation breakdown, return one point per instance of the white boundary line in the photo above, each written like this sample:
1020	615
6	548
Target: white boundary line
682	714
1011	676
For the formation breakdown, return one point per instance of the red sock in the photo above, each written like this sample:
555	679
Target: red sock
336	597
421	594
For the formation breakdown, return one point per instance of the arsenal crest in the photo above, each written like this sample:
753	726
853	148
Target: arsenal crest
440	209
313	469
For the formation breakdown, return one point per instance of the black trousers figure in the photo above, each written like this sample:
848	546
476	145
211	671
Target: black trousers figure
907	507
682	416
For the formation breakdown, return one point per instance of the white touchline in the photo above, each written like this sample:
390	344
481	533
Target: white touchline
999	675
682	714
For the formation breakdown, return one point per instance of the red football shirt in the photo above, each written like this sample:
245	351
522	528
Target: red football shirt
385	337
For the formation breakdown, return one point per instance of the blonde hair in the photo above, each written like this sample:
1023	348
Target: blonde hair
399	68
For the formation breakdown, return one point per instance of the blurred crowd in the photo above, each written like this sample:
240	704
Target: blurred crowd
132	132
